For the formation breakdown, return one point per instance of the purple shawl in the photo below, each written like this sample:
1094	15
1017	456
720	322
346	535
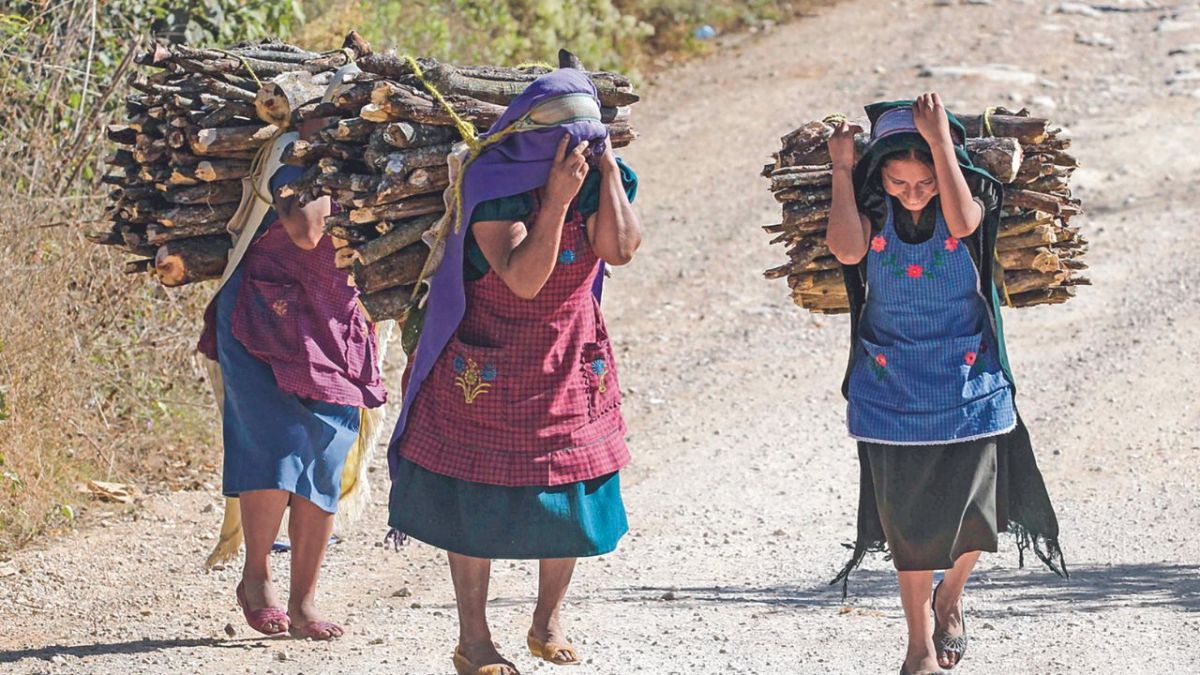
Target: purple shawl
519	164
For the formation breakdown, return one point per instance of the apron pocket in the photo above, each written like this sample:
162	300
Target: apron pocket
926	376
600	375
470	378
266	320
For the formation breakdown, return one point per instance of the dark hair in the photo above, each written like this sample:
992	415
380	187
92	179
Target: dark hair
919	154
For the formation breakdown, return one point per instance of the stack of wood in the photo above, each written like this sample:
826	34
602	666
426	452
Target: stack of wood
1039	250
382	158
192	128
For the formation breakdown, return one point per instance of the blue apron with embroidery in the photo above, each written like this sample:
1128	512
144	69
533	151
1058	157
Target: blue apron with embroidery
925	370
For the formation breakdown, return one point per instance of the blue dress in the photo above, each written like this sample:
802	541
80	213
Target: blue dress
276	440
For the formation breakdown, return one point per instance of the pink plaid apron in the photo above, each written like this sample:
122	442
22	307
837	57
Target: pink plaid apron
526	391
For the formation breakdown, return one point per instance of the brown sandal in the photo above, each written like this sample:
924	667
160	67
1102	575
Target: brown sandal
463	666
549	651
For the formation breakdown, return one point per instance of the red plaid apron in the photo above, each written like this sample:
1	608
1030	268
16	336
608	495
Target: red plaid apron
525	393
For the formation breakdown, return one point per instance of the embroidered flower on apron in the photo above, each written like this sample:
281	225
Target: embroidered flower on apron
472	379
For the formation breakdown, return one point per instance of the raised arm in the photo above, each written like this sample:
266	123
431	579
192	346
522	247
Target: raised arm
614	231
848	230
524	257
963	214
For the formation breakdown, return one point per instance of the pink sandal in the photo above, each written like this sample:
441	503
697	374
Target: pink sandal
261	619
317	630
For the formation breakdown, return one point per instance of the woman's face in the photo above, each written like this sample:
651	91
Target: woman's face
911	181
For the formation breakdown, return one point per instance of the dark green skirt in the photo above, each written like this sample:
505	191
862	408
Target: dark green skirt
575	520
927	505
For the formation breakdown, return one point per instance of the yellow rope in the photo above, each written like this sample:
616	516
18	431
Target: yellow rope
835	120
987	121
534	64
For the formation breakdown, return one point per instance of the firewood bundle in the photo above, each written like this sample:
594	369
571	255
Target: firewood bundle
1038	249
382	158
192	129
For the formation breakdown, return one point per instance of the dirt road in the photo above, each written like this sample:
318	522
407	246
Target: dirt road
743	486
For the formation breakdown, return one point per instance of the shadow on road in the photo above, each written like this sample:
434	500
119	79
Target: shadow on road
1091	588
124	648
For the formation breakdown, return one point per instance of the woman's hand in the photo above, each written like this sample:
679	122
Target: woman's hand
841	145
930	117
567	172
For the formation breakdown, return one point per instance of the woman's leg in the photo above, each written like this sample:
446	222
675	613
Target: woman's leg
914	596
554	577
948	612
262	511
471	577
309	528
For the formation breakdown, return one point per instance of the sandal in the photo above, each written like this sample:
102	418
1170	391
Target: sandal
261	619
549	651
317	630
463	666
954	644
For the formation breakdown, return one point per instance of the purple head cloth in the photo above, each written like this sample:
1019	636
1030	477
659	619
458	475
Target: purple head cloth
516	165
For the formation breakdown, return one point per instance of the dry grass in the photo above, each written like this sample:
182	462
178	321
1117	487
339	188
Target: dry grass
97	376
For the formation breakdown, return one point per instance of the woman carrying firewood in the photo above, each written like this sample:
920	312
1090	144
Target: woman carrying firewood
946	462
298	366
511	439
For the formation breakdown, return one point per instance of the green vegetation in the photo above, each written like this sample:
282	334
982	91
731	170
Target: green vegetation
98	373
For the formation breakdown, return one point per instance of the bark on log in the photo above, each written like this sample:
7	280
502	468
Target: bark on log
407	135
223	192
403	234
158	234
399	269
388	304
212	170
1039	259
185	216
1020	281
1027	130
409	208
190	260
222	140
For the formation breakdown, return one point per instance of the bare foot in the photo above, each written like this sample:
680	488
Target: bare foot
921	660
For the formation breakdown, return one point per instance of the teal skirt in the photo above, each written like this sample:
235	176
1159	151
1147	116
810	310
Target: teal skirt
575	520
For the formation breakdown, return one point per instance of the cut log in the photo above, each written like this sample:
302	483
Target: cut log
387	304
406	135
190	260
221	140
223	192
1039	259
408	208
1020	281
398	269
1027	130
402	235
157	234
1000	157
277	99
185	216
212	170
1043	296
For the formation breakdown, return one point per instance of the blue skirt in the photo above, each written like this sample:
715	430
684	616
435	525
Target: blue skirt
275	440
575	520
